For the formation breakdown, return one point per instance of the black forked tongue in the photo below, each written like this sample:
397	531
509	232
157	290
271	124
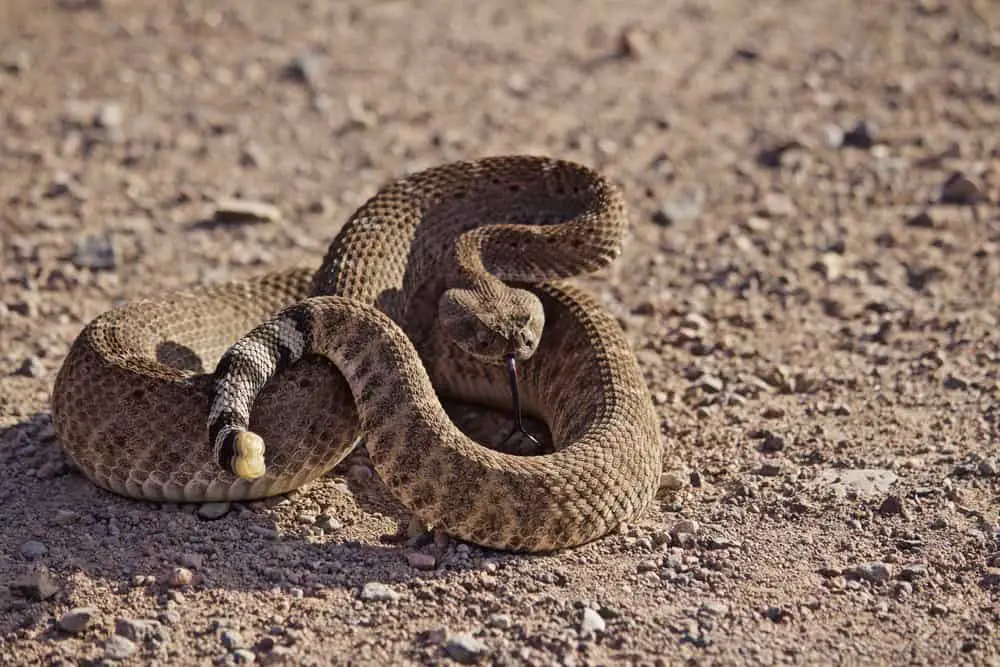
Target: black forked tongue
515	398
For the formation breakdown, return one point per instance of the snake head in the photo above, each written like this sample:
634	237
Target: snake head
492	324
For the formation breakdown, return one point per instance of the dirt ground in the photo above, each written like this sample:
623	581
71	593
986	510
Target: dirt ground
811	285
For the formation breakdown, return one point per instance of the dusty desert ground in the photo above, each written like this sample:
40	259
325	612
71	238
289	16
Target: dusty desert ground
811	285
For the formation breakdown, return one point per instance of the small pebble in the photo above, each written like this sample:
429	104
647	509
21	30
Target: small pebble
374	591
685	527
922	220
647	565
913	572
77	620
591	624
961	190
891	506
37	585
777	205
875	572
304	68
117	647
465	649
66	517
212	511
329	524
242	656
231	640
279	655
169	617
180	576
860	136
420	560
989	467
672	481
500	621
139	630
264	531
31	367
193	560
686	204
96	253
33	550
238	211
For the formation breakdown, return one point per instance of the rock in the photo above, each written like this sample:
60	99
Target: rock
991	578
689	526
989	467
65	517
922	220
913	572
714	608
254	156
891	506
239	211
37	585
231	640
712	384
420	560
95	252
212	511
862	136
33	550
591	624
772	412
304	68
264	531
647	565
109	116
956	382
772	443
633	43
770	469
501	621
685	204
31	367
279	655
242	656
672	481
862	481
77	620
876	572
193	560
329	524
169	617
117	647
777	614
465	649
140	630
374	591
772	155
959	189
830	265
180	576
777	205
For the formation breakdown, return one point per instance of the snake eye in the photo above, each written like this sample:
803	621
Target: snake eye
482	338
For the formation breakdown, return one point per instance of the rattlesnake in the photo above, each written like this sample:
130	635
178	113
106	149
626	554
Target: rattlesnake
429	252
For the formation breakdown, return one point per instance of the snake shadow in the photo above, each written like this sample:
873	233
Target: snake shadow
339	532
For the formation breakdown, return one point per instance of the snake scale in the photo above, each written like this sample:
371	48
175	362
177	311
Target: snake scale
428	289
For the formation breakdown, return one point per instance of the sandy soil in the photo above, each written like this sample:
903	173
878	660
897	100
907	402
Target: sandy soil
811	285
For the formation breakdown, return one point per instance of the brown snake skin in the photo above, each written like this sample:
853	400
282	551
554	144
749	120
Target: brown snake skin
131	401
